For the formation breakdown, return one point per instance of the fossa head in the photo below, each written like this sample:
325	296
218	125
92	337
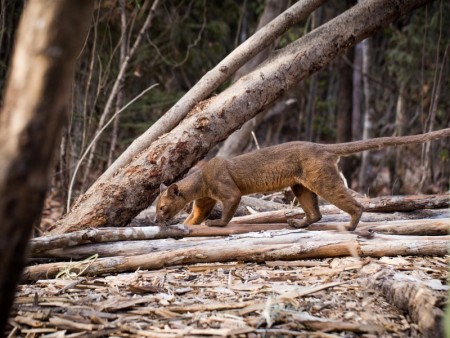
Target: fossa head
170	202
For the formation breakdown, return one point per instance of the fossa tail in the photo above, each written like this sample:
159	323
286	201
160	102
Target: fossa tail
344	149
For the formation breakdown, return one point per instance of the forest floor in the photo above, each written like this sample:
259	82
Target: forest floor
330	297
220	300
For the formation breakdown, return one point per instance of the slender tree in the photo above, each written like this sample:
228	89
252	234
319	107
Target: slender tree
365	173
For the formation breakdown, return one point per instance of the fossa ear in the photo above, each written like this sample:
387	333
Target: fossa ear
173	190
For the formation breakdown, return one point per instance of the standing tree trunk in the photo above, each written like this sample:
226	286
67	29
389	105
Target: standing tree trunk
344	110
238	141
310	108
365	173
427	163
344	105
400	130
50	36
357	92
116	201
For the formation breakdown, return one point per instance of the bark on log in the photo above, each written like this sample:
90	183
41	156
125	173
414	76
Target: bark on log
420	227
396	216
101	235
289	245
406	203
412	296
116	201
49	39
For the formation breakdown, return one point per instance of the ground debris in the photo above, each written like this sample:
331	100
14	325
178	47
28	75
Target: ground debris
315	298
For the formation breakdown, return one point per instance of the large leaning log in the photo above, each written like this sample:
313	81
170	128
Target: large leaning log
288	245
412	296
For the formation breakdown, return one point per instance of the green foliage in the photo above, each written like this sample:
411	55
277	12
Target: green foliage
444	155
417	43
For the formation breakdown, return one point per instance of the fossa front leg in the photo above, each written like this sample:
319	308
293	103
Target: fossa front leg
229	207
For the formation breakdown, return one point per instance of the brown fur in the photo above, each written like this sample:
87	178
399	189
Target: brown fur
310	169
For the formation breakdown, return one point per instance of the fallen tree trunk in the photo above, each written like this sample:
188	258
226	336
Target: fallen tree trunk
412	296
419	227
425	214
406	203
100	235
106	245
289	245
399	226
379	204
116	201
114	249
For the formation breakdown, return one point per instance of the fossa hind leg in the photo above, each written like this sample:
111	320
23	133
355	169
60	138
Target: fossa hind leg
200	210
309	203
331	188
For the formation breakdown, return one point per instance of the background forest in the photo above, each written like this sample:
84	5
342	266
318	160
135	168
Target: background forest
395	83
